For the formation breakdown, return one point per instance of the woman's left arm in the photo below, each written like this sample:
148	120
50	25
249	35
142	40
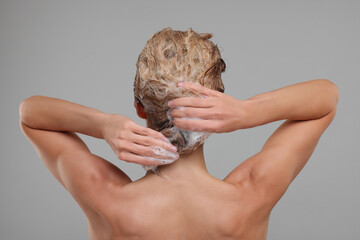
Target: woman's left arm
48	113
129	140
50	125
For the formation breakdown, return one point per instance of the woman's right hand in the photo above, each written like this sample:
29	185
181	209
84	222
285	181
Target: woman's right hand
216	112
137	144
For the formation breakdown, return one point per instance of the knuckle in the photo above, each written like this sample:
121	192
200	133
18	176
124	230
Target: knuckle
149	153
146	131
184	112
187	112
177	122
185	125
175	102
148	163
150	132
175	113
217	113
120	144
196	101
211	127
150	141
216	93
122	134
121	156
203	114
146	141
217	126
182	101
128	124
131	137
165	146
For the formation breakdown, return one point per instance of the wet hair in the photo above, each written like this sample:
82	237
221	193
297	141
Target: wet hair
169	57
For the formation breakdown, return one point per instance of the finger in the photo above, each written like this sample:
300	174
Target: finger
149	141
150	151
191	112
144	131
196	125
157	161
191	102
199	88
147	161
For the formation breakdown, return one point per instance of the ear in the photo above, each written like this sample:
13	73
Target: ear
140	110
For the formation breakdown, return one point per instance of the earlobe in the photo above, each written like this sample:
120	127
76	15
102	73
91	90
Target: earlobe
140	110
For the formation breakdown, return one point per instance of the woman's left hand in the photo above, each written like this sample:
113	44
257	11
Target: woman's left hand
137	144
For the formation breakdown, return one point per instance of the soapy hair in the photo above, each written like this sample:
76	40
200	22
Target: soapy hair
170	57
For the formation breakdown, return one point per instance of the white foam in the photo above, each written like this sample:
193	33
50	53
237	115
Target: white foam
164	153
170	158
191	137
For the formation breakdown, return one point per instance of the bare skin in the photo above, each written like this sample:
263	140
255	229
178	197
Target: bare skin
184	201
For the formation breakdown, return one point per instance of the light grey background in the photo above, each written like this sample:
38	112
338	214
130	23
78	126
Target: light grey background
85	52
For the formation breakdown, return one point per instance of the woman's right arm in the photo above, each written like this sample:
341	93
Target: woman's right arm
222	113
309	108
301	101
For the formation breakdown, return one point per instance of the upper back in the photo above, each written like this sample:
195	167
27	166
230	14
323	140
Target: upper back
208	208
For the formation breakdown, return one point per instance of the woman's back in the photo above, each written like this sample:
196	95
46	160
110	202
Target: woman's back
202	207
183	201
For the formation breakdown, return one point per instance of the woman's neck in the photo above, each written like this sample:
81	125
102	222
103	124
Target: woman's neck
186	166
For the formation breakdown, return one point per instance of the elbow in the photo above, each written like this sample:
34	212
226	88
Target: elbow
23	109
333	91
25	106
336	90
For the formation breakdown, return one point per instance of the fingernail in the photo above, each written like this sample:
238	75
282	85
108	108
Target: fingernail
170	103
172	155
173	148
180	84
166	161
163	161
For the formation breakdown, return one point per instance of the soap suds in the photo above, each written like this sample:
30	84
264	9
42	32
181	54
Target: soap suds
191	138
170	158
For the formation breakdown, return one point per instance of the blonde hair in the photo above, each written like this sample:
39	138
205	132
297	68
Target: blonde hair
170	57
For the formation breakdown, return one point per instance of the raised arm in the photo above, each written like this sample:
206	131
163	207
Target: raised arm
222	113
308	108
301	101
128	140
51	125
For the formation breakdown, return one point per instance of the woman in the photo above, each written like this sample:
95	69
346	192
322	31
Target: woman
178	90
